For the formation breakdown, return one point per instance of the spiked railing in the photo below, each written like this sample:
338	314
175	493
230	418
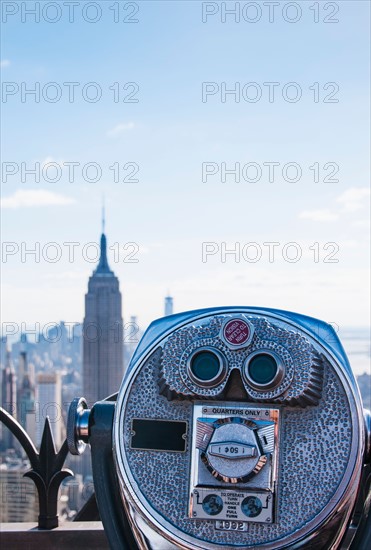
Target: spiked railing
46	468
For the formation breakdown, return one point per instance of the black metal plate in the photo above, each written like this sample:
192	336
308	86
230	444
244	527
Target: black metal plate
159	435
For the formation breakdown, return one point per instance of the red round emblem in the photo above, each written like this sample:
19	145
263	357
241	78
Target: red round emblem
236	332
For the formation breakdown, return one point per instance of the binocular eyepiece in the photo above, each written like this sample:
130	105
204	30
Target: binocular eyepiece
233	428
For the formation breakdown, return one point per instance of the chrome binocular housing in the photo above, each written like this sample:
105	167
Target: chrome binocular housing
234	428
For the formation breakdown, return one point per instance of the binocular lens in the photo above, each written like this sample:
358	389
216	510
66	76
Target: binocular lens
205	365
262	369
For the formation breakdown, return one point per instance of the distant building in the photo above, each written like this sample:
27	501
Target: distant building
364	383
133	334
3	349
26	396
25	368
57	337
18	494
76	346
9	386
23	345
103	354
168	305
8	399
73	489
49	403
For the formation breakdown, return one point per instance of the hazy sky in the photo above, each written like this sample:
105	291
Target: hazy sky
149	113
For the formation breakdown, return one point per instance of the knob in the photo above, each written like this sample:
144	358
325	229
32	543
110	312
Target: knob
78	426
232	453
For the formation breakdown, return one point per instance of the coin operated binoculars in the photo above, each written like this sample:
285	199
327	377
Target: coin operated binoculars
234	428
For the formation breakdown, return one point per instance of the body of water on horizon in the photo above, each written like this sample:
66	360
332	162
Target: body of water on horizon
357	345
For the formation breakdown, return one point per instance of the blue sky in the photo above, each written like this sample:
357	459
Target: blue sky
169	133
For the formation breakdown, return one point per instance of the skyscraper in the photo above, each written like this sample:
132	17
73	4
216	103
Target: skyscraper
103	357
3	349
18	494
168	305
8	399
26	396
49	401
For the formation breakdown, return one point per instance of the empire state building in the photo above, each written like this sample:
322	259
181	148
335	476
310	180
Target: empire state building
103	365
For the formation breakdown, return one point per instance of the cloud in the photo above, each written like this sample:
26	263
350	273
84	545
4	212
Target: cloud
351	200
321	215
4	63
67	275
120	128
34	198
349	243
354	198
362	223
47	160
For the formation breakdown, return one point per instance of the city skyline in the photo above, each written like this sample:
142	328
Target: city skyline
163	159
132	330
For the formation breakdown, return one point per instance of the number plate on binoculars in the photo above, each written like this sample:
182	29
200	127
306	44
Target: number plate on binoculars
234	463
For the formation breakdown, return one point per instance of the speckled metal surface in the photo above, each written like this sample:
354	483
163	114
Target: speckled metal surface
318	438
301	384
